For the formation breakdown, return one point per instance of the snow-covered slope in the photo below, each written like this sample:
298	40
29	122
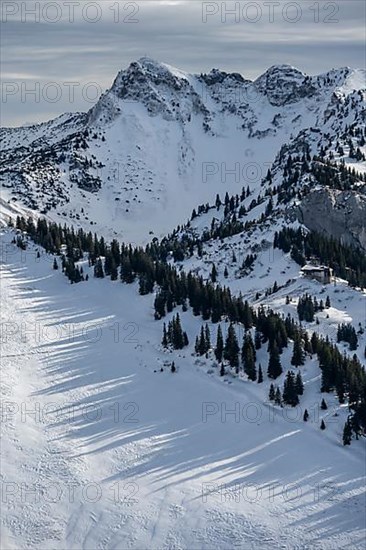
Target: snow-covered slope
100	449
121	452
161	141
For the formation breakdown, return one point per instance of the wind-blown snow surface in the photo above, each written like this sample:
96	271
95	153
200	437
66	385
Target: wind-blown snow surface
120	456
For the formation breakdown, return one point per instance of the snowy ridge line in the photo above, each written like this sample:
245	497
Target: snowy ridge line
159	134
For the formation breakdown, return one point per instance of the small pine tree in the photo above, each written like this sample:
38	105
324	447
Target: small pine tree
55	264
213	273
290	396
306	415
298	353
172	368
178	342
165	337
274	364
299	386
248	358
222	370
231	350
278	397
197	346
98	269
219	345
271	394
207	337
322	425
323	405
202	342
347	433
260	374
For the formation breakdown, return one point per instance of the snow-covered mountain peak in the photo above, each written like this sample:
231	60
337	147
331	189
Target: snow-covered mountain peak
162	89
146	72
351	80
283	84
162	136
156	67
282	68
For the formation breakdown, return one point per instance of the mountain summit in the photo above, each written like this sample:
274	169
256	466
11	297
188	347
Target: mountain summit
160	141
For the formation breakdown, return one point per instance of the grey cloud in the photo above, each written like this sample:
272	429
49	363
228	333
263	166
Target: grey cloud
174	33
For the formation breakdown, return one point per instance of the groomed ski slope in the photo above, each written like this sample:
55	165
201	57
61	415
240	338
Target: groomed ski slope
118	456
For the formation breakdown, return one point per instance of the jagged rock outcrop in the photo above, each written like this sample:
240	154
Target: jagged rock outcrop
283	84
161	90
341	214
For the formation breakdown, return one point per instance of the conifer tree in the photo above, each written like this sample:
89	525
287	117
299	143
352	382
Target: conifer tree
98	269
290	396
55	264
222	370
257	340
178	338
159	305
231	350
326	366
274	364
347	433
202	342
308	348
172	368
126	273
248	357
213	273
219	345
207	337
323	405
114	270
306	415
271	394
197	346
298	357
299	386
260	374
277	397
322	425
165	337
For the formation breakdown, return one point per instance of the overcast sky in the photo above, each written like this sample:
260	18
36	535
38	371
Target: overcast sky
67	52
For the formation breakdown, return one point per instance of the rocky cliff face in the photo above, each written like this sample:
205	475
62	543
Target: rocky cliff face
283	84
341	214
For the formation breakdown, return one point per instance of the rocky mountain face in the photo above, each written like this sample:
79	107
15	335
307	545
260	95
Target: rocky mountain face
341	214
160	141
